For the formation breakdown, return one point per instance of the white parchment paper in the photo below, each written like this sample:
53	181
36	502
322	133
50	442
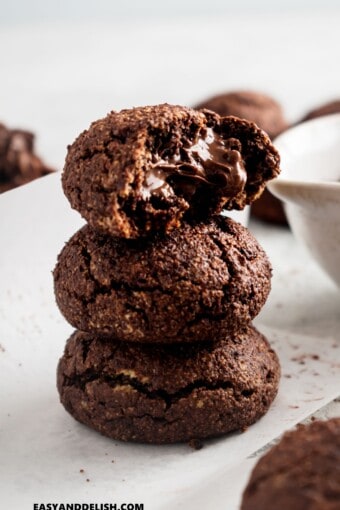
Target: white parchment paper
43	450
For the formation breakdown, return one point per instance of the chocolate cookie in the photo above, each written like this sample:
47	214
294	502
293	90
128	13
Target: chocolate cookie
169	393
259	108
325	109
301	472
145	169
200	282
268	115
269	208
18	163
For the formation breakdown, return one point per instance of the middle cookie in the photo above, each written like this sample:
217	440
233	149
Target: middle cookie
199	283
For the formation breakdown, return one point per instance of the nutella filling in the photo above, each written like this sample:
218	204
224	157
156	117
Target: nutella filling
211	161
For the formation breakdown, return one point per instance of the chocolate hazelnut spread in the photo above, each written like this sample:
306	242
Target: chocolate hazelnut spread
211	161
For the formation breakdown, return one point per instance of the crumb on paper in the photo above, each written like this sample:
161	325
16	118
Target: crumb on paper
81	471
195	444
303	357
87	479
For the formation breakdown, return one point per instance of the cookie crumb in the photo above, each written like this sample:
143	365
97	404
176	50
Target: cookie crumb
87	479
112	461
81	471
195	444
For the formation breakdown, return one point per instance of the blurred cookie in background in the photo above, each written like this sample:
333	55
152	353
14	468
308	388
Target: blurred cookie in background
325	109
268	114
301	472
18	162
255	106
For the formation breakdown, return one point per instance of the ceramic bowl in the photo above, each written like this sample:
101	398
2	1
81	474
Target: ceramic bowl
309	185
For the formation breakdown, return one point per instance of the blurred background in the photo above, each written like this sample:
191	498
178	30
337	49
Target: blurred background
66	63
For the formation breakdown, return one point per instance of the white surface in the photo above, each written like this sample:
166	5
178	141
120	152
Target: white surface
57	78
43	448
309	184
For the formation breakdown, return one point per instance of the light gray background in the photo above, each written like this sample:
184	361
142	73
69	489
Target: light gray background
66	63
23	11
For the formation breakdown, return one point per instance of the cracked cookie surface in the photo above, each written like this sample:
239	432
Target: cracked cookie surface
168	393
144	170
302	471
198	283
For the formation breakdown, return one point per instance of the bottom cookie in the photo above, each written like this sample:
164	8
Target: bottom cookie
168	393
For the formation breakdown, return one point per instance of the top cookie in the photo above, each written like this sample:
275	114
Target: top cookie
142	170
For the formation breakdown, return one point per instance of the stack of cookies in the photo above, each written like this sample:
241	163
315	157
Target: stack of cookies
161	288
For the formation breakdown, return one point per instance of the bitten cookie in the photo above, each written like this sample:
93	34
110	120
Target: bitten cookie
268	115
198	283
143	170
301	472
166	394
18	163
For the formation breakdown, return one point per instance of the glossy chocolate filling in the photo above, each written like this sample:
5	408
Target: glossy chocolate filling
210	161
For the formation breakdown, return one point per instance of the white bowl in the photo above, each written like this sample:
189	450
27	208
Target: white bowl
309	185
